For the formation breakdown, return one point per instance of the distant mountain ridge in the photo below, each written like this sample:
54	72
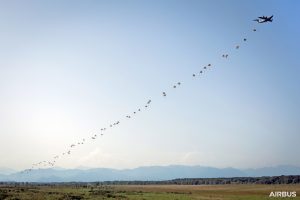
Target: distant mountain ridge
149	173
7	171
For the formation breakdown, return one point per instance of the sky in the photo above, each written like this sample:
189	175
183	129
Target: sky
68	68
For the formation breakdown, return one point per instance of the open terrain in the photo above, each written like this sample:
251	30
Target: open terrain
144	192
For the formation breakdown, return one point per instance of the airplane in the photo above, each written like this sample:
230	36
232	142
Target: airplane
264	19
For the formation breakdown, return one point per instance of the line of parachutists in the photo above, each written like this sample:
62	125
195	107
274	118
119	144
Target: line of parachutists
101	132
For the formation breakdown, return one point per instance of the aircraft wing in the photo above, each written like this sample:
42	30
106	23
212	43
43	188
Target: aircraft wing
263	17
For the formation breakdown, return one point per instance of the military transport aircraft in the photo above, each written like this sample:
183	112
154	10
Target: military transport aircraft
264	19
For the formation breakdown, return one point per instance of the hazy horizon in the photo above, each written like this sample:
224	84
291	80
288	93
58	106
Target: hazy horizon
146	166
68	68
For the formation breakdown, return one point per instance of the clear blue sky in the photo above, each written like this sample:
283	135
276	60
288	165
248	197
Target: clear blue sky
68	68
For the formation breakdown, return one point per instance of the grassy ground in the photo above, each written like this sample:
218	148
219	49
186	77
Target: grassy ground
137	192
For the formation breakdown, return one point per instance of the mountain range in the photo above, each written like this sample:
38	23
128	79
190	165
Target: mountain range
148	173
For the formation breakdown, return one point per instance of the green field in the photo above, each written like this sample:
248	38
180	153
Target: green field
145	192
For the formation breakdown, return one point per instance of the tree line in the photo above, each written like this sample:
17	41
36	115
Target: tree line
214	181
295	179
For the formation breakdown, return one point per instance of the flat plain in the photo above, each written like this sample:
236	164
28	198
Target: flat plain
144	192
